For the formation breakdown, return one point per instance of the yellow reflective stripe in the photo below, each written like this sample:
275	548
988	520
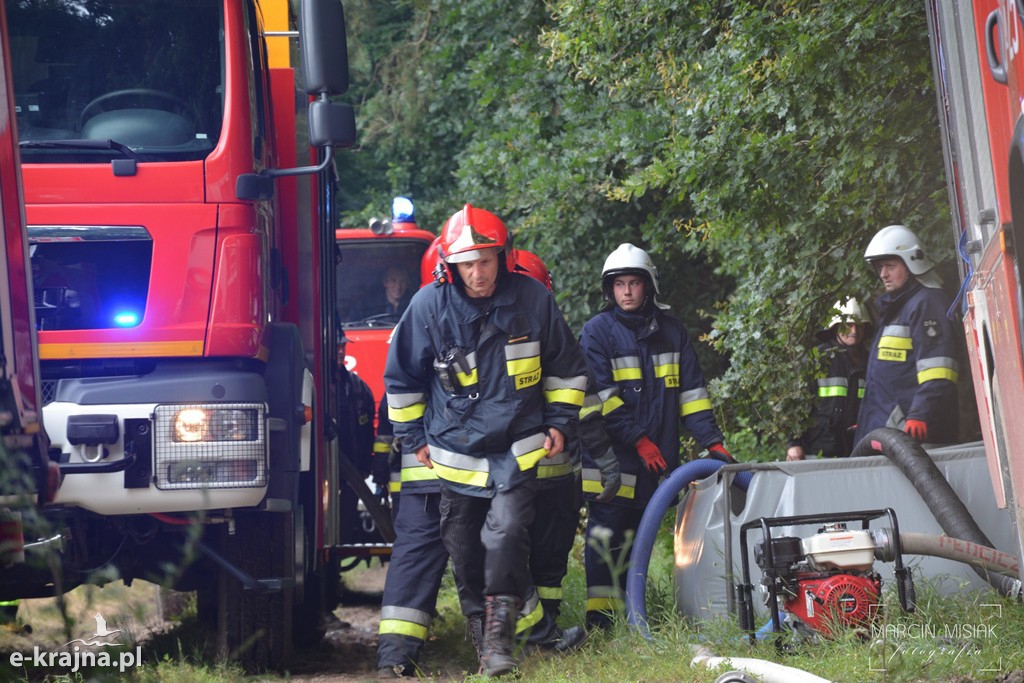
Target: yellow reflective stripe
604	604
522	366
588	410
550	592
692	407
461	476
591	486
573	397
413	412
832	392
403	628
406	407
937	373
394	486
667	370
551	471
611	404
120	349
626	374
530	619
421	473
529	451
905	343
467	380
571	390
381	447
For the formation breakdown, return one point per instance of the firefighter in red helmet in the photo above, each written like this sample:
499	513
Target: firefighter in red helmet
484	380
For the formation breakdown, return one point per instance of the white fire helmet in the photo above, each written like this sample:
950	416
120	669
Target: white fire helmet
900	242
629	260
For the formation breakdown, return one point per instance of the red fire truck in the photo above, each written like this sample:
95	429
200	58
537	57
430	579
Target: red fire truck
26	475
979	76
385	255
181	226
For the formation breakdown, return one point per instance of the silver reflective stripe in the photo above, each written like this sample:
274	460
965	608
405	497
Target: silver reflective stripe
625	362
530	443
938	362
409	459
671	358
896	331
694	395
578	383
519	351
833	382
606	394
405	400
409	614
603	592
458	460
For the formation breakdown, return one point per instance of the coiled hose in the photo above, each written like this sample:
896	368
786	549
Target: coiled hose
647	531
947	508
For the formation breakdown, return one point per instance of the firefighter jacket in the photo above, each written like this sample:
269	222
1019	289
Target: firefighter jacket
480	381
913	366
838	391
355	420
648	377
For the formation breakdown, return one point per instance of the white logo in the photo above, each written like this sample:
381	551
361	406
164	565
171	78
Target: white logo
74	657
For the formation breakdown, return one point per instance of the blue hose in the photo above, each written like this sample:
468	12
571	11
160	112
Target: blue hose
643	544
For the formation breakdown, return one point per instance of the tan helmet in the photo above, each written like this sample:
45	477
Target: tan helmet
845	311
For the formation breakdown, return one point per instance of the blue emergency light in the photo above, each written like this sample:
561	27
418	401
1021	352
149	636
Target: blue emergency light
402	210
126	319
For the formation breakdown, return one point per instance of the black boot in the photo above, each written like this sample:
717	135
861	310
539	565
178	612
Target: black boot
568	640
500	614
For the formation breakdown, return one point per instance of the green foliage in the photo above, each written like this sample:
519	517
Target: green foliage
752	147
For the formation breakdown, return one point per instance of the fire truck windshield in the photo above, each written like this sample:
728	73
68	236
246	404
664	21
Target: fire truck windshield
376	280
146	74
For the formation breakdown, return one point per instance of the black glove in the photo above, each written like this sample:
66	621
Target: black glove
611	475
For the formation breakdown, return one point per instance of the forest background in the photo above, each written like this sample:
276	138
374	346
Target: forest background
753	148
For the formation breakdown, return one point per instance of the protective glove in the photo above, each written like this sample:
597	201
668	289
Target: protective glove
611	475
650	454
917	429
717	451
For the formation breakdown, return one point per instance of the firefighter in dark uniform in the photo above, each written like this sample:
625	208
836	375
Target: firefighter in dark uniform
839	387
418	560
913	364
647	377
484	380
355	438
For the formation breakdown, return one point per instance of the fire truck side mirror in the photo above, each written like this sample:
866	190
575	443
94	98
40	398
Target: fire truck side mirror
324	47
331	123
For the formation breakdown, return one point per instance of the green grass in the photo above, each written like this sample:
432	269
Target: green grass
930	644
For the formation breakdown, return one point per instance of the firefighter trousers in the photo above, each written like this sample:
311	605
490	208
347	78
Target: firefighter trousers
552	534
489	542
606	558
418	561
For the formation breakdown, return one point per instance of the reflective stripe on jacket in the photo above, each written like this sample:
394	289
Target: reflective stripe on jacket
518	371
913	366
649	379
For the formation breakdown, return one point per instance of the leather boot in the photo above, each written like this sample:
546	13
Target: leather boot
500	614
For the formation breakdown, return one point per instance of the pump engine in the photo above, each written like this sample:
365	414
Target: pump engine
825	582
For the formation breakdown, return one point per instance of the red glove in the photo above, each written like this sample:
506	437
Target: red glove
650	454
718	452
917	429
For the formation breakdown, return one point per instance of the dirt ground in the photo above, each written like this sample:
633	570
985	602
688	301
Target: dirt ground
346	653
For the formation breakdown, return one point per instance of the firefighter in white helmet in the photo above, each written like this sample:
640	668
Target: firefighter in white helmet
648	379
913	364
839	387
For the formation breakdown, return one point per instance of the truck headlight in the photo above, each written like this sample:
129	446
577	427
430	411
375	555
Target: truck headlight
215	424
213	445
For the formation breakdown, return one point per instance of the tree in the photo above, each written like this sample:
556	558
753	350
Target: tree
752	147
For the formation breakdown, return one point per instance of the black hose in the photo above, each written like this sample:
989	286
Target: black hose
947	508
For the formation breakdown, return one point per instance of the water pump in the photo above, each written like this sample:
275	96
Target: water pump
826	582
